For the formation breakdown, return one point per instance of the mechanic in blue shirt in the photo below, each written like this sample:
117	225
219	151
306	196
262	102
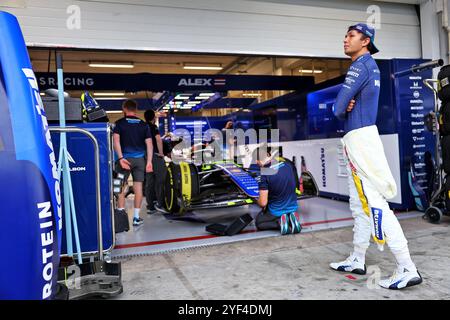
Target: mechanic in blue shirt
132	142
277	194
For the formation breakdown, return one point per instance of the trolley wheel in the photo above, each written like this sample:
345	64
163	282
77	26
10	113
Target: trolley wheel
434	214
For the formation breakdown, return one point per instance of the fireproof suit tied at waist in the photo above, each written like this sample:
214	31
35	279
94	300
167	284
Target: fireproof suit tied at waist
362	84
365	151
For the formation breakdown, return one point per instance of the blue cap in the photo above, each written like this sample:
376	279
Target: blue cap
368	31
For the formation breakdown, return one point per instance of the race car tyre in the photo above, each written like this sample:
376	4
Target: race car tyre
181	185
170	189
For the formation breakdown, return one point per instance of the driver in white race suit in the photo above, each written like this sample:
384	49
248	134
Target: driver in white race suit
370	179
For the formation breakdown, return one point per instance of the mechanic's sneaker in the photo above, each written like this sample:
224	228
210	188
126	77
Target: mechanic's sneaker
402	278
295	226
284	224
137	221
351	264
151	210
160	209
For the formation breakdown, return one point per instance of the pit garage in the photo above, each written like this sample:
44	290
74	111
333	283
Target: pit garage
261	65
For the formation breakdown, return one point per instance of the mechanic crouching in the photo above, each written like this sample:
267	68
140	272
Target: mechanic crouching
277	196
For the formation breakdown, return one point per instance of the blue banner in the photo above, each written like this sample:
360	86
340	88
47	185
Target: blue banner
30	219
173	82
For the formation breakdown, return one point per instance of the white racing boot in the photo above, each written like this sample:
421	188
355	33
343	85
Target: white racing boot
402	278
351	264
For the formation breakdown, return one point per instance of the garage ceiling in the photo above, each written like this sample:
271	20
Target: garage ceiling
43	60
79	60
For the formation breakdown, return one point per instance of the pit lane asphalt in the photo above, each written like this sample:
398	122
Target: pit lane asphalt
293	267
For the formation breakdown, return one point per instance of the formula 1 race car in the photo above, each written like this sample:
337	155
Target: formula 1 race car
220	184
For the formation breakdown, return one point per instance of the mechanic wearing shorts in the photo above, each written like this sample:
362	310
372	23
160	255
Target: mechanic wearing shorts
132	141
370	179
277	195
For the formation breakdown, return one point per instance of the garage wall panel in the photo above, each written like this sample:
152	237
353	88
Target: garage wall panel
298	28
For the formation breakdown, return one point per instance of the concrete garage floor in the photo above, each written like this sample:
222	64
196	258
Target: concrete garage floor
288	267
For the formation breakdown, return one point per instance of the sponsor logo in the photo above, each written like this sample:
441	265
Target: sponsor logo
421	174
353	73
415	85
418	138
419	165
322	106
195	82
419	153
418	130
355	68
322	160
74	169
417	146
417	115
417	108
45	210
349	80
201	82
415	78
377	215
416	101
377	83
51	81
416	94
46	226
417	123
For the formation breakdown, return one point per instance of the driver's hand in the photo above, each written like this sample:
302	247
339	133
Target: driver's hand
351	105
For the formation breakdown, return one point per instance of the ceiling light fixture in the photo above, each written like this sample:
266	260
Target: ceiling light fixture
109	94
99	64
206	94
310	71
252	94
111	98
202	66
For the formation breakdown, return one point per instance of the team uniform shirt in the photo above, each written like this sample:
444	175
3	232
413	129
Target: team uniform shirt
362	84
155	132
281	187
133	132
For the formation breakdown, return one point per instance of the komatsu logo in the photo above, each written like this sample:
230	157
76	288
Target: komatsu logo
324	173
196	82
